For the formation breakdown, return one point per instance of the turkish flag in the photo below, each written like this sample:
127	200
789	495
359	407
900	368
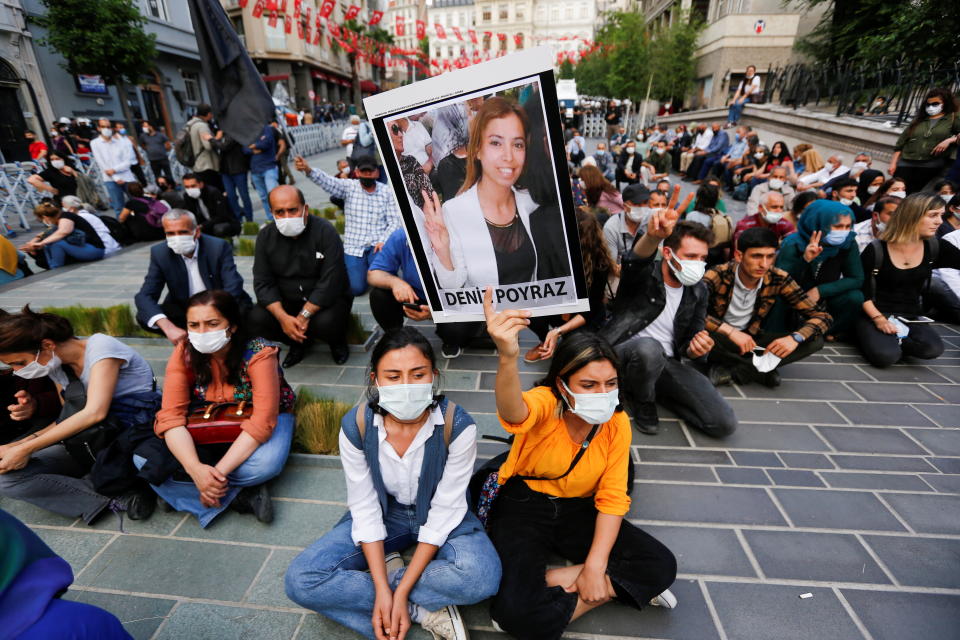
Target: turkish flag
283	6
440	32
326	8
334	29
300	33
271	5
352	12
518	39
243	4
421	30
316	38
297	5
375	18
456	32
287	24
473	36
501	36
273	19
258	9
399	28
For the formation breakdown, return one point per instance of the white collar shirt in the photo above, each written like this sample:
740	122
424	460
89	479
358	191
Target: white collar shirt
117	154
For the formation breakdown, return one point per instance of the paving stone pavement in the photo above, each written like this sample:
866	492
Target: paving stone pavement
843	483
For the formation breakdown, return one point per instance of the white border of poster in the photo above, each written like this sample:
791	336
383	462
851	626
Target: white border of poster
545	272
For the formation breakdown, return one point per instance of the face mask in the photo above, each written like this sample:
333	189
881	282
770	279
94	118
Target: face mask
593	408
193	192
846	201
934	109
368	182
209	342
690	271
405	401
290	227
859	165
106	133
836	238
182	245
54	134
56	164
631	151
122	131
737	137
773	217
638	214
775	183
881	227
758	155
660	150
897	194
872	190
146	129
36	370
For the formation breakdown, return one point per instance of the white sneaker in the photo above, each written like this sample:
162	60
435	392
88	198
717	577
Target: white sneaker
445	624
666	600
394	563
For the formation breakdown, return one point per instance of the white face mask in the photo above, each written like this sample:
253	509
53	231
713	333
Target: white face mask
872	189
637	214
106	132
773	217
690	271
36	370
897	194
661	150
146	130
290	227
193	192
860	165
846	201
57	164
182	245
593	408
759	155
210	341
405	401
934	109
881	227
631	151
775	183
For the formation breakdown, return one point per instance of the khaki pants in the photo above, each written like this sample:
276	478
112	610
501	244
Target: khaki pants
685	159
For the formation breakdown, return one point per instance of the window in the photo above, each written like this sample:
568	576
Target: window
518	12
276	38
503	46
486	42
504	13
191	85
583	11
568	12
158	9
487	13
554	13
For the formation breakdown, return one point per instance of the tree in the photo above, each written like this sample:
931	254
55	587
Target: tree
566	70
104	38
591	74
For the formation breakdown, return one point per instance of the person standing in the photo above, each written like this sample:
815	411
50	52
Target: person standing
234	167
206	146
264	170
114	155
920	153
120	129
157	145
612	120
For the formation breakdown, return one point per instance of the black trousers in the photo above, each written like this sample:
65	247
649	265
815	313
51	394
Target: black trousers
917	177
138	172
175	312
528	527
726	353
389	315
329	325
694	169
882	350
137	229
161	167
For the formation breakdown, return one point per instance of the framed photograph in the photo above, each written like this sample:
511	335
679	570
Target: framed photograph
477	163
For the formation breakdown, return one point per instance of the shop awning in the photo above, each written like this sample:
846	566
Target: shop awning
274	78
368	86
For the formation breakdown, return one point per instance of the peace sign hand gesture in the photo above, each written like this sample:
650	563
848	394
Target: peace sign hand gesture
662	222
813	248
504	327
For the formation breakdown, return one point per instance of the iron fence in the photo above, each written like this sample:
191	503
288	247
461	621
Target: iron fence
886	90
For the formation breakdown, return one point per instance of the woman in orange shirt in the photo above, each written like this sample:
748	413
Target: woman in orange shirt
218	364
549	505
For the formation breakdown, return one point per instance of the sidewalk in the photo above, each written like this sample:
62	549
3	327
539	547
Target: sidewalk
843	483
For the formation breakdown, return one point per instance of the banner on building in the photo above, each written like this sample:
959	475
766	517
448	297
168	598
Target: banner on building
375	18
440	31
490	126
421	30
399	27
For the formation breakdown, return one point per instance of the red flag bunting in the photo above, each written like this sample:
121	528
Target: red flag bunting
283	6
334	29
243	4
421	30
300	30
352	12
258	9
271	5
375	17
273	19
399	28
501	36
287	24
297	7
473	36
326	8
456	32
440	32
518	39
316	38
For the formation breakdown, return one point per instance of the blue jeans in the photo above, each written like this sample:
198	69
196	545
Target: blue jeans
117	195
232	184
58	251
357	267
264	183
736	110
707	166
331	577
262	465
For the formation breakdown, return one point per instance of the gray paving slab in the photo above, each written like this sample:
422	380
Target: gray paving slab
140	616
892	392
737	475
946	465
895	415
944	392
944	442
927	513
823	557
704	551
881	463
794	478
773	411
830	509
200	621
686	503
894	616
756	459
310	482
880	481
76	546
776	612
944	415
670	435
683	456
777	437
802	390
867	440
674	472
296	524
906	373
919	562
942	483
807	460
268	588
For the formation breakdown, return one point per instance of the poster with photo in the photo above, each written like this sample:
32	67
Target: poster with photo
477	164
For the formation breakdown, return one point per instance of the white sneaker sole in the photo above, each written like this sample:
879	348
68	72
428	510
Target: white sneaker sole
666	600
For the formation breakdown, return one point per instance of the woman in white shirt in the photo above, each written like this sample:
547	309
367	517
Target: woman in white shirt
747	91
407	465
482	237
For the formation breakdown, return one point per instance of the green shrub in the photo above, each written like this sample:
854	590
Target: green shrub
251	228
315	212
331	212
318	423
117	321
356	334
340	224
246	247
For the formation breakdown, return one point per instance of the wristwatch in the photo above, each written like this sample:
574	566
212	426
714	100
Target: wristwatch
305	314
796	336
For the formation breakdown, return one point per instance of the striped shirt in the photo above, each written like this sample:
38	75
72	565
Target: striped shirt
370	217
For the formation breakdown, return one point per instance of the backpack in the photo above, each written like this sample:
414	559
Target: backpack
183	146
722	227
156	210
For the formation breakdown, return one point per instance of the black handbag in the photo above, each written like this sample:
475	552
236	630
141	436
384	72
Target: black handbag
84	446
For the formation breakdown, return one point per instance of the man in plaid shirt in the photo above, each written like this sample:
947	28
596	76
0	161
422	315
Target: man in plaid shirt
371	215
742	294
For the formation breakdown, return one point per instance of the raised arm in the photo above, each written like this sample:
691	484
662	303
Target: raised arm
504	328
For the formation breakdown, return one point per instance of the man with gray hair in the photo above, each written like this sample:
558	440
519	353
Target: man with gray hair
188	263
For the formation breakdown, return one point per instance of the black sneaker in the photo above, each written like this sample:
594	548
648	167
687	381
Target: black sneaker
255	500
139	503
720	376
340	353
450	351
645	417
770	379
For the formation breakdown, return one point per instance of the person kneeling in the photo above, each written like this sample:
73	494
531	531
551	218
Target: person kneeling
742	293
218	364
554	500
408	455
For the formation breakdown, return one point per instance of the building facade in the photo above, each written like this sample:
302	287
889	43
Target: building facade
170	93
405	12
738	33
452	16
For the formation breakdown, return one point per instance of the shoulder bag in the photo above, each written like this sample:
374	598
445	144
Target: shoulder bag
217	422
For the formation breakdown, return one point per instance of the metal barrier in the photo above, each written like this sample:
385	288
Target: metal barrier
311	139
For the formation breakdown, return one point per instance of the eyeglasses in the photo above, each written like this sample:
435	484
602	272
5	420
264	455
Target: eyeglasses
395	128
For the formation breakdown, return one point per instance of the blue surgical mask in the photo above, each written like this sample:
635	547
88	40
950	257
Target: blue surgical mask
836	237
737	137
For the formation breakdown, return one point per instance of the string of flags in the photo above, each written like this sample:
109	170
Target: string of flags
312	27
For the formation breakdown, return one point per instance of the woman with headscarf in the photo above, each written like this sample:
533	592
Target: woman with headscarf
870	182
452	168
822	256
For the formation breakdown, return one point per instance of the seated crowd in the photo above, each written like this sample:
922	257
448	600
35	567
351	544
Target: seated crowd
683	299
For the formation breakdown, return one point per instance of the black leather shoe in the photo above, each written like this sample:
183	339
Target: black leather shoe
255	500
294	355
140	503
770	379
645	417
340	353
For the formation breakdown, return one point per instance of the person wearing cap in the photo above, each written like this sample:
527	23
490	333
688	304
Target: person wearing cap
370	211
621	229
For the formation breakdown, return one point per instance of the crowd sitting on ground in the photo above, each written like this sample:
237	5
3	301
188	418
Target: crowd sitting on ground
682	301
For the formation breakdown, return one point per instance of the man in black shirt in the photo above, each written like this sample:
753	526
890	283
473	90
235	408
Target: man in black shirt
209	206
300	280
612	118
